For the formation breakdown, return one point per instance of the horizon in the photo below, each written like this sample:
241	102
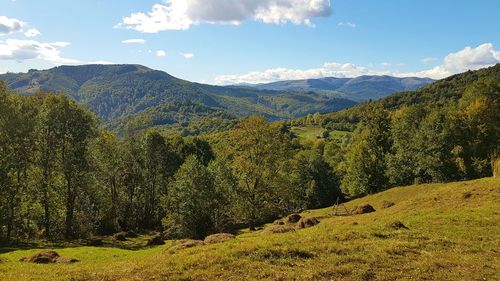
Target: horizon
253	42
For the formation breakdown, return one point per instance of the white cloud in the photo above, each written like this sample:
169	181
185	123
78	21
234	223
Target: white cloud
467	59
182	14
134	41
347	24
32	32
10	25
161	53
20	50
187	55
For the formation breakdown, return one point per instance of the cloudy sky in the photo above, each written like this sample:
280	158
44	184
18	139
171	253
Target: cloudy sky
254	41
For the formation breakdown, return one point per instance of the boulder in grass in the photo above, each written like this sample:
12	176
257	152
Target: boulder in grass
156	241
218	238
293	218
307	222
363	209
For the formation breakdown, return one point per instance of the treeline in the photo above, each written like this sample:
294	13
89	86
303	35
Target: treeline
422	143
62	177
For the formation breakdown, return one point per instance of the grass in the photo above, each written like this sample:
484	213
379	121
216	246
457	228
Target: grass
453	234
308	135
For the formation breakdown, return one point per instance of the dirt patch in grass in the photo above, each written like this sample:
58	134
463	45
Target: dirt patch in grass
273	229
307	222
363	209
397	225
467	195
48	257
218	238
387	204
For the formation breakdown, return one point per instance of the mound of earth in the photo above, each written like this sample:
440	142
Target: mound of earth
293	218
276	228
278	222
184	244
48	257
218	238
363	209
307	222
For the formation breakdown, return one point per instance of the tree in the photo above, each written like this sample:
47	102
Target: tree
365	160
190	201
315	179
259	155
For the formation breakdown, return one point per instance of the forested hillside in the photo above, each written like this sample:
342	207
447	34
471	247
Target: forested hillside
134	97
62	176
362	88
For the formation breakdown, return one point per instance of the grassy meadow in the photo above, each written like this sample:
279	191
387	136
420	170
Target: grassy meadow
452	233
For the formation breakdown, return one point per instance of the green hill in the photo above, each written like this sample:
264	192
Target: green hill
142	97
432	232
359	89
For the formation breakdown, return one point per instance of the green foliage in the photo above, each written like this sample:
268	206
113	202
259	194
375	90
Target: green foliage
190	202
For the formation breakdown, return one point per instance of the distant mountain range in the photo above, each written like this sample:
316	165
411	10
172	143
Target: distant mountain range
358	89
137	97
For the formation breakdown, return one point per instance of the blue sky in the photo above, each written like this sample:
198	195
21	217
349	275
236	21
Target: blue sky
254	41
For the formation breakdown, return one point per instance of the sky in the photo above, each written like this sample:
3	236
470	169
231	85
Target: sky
254	41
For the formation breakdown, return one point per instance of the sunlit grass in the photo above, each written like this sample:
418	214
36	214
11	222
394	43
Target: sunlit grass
450	236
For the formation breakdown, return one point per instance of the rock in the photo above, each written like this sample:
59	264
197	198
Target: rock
121	236
278	222
131	234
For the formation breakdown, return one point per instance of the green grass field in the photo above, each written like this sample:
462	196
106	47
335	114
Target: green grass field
453	234
308	135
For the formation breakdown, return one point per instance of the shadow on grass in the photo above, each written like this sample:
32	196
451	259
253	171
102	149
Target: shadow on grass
135	244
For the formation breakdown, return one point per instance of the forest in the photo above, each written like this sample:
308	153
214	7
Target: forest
64	177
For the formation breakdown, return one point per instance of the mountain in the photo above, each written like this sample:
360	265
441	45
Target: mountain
442	93
136	97
358	89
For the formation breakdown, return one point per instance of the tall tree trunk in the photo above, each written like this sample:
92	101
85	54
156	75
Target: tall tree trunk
70	206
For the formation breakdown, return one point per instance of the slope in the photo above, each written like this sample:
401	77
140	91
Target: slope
120	94
452	234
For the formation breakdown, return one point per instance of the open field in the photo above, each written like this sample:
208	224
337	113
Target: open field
308	134
453	234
